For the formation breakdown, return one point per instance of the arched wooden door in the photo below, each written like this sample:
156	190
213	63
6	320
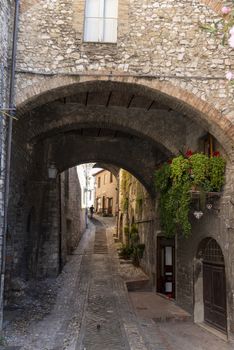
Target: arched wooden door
214	286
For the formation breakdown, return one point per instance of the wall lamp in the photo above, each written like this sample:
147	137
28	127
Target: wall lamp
52	171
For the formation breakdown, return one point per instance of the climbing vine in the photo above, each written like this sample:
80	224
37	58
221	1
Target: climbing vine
124	186
175	179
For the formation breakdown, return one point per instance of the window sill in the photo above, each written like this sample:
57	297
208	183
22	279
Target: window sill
98	43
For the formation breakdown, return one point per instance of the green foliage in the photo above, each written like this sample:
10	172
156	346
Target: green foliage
125	181
137	254
221	27
141	249
139	203
216	173
2	341
134	236
124	189
199	164
174	182
125	251
126	230
174	209
134	229
127	233
133	249
182	210
126	203
163	177
180	170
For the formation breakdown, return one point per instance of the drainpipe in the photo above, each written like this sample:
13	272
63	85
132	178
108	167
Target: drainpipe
8	155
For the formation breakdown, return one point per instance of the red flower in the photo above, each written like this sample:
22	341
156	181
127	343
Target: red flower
216	154
169	161
189	153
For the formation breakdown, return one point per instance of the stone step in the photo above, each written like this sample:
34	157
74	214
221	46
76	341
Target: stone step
10	347
172	318
138	285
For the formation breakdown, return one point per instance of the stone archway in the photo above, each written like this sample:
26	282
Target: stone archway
163	92
133	123
210	305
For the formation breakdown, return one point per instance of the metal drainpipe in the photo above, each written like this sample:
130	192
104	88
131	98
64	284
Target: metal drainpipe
8	156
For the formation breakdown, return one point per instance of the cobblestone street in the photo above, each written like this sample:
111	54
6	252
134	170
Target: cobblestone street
93	310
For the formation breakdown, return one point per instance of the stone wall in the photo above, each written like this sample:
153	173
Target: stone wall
157	39
6	21
45	226
137	207
72	216
216	223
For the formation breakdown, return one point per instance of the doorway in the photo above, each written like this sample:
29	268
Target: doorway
110	206
214	286
166	266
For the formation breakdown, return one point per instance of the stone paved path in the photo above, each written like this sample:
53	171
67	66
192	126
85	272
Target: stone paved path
93	310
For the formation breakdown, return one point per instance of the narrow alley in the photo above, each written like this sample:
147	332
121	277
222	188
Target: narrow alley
116	175
94	311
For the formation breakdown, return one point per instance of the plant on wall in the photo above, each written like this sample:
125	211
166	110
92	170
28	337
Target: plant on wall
124	188
176	178
133	249
224	27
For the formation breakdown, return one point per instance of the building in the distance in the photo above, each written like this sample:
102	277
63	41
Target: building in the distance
106	193
87	184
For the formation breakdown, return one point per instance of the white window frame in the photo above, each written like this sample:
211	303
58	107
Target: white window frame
101	35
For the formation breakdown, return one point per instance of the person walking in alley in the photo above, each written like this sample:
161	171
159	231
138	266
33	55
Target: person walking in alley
91	211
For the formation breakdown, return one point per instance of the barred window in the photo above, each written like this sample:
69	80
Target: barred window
213	252
101	21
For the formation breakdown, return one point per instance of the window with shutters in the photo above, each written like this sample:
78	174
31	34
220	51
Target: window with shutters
101	21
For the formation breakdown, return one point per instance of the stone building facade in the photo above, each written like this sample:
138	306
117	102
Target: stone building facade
132	104
179	257
106	199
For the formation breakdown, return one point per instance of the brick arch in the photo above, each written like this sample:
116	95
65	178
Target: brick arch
180	99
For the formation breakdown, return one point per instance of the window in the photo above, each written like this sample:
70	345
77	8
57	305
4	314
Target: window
104	181
101	21
99	182
111	177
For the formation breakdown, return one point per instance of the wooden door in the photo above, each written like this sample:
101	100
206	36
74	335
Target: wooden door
110	206
214	292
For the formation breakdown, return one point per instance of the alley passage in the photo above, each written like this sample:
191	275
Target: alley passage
101	326
93	312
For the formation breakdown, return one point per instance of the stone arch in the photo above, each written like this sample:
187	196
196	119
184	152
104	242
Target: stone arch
177	98
209	261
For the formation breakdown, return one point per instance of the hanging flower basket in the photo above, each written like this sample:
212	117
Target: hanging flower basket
181	178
